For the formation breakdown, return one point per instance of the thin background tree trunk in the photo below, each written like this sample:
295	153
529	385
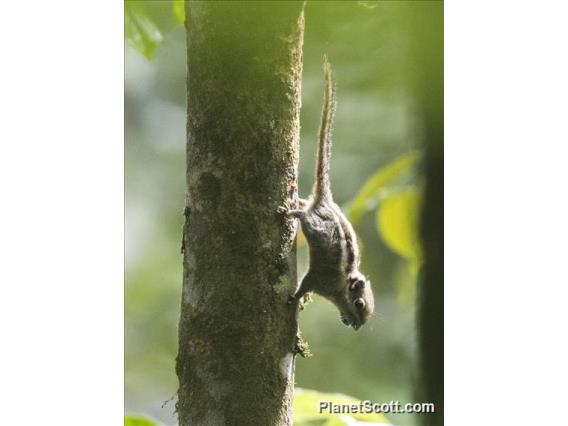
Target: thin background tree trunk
236	332
427	23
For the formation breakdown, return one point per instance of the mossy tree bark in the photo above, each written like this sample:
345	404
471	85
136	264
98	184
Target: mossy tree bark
236	331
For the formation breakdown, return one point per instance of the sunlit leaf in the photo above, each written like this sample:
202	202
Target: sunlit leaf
368	4
306	410
140	31
179	11
137	420
405	274
366	198
397	223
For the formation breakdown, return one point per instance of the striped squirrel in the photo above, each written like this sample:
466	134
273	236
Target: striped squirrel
334	252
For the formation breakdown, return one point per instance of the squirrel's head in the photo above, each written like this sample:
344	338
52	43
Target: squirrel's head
358	302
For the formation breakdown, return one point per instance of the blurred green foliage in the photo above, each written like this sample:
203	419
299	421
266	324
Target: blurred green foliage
375	154
398	209
306	412
179	10
375	187
397	222
137	420
144	23
140	30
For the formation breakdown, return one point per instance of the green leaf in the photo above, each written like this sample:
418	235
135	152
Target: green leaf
306	410
397	223
405	275
137	420
179	11
366	199
140	31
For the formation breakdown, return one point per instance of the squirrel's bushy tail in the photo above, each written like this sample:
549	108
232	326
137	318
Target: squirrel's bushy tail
322	189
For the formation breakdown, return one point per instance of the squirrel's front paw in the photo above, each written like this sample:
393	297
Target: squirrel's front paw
287	207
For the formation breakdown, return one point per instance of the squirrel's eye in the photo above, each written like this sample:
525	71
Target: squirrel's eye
360	303
356	285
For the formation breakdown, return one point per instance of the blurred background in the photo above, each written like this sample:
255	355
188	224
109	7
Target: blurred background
374	178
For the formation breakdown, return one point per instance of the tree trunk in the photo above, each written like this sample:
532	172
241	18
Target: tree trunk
428	26
236	331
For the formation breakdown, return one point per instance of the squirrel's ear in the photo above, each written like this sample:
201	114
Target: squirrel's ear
356	284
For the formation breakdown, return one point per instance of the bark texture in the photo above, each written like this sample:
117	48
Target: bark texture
237	332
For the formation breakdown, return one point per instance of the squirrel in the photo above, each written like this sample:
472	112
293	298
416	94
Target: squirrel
334	252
